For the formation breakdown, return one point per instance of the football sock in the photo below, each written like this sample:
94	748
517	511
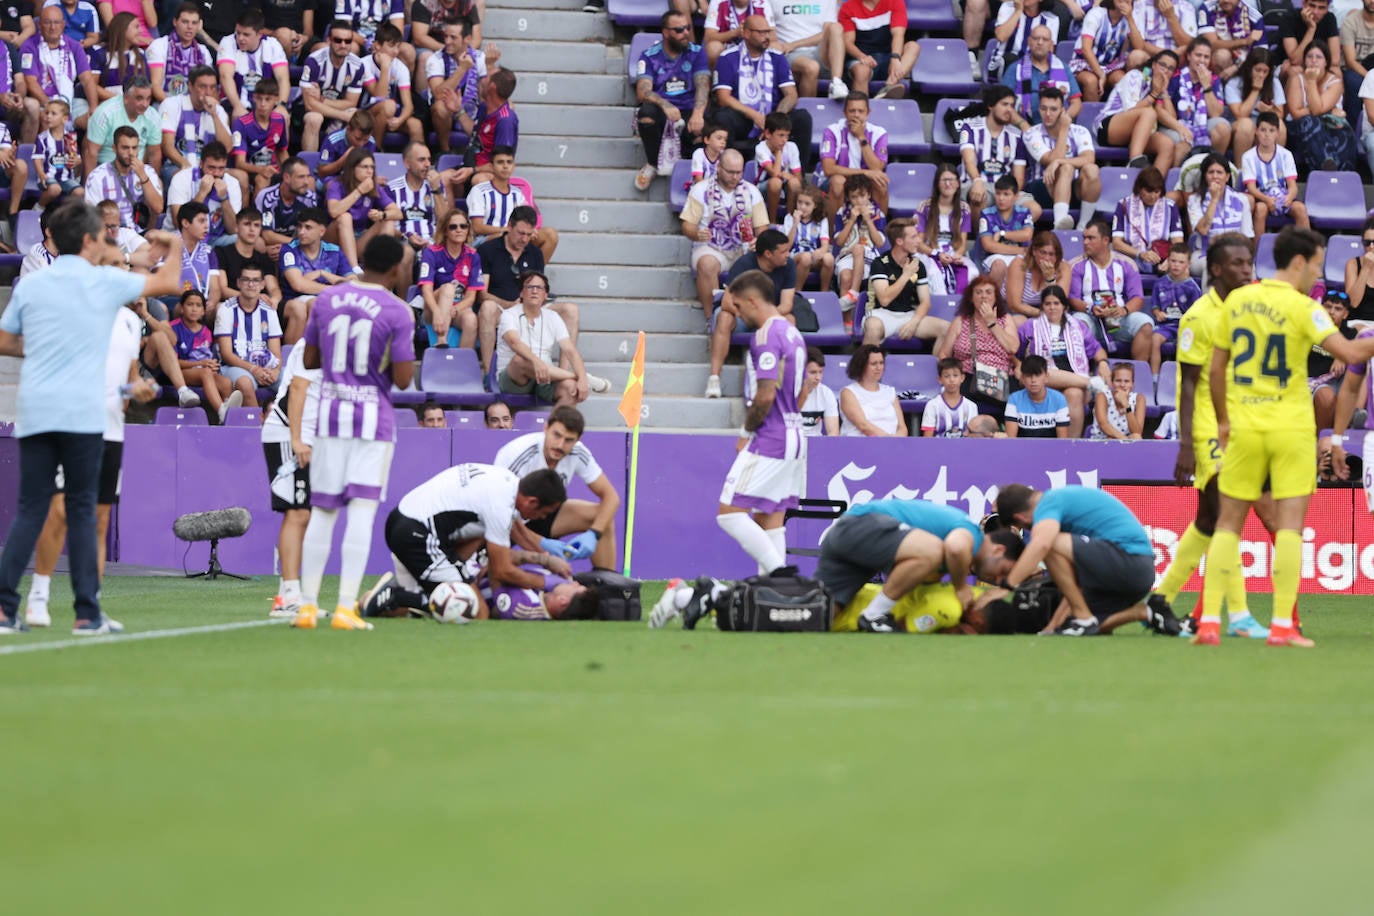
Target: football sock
1087	209
1287	572
39	587
406	597
752	538
291	589
682	595
1060	210
319	536
779	538
1222	561
1191	547
1197	608
880	605
357	543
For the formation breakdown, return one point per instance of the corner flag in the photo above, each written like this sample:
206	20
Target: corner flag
632	402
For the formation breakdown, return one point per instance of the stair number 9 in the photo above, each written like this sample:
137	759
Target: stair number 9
583	217
543	87
601	282
522	24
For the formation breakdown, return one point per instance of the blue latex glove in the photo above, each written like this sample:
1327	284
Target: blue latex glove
582	545
555	547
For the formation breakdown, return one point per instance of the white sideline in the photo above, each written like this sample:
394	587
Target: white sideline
76	641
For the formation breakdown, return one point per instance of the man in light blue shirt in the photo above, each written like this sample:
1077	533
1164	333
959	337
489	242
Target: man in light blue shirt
59	320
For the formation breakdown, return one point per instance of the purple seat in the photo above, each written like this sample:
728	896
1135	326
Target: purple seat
1172	179
529	420
830	320
390	166
27	231
906	131
834	373
1335	200
1144	379
1087	117
931	16
1072	242
751	172
242	416
943	67
679	184
1065	50
406	398
312	159
449	161
1166	395
640	43
456	140
940	138
1339	250
1264	258
1117	182
463	419
636	13
908	183
916	378
824	112
451	376
407	419
945	307
31	189
181	416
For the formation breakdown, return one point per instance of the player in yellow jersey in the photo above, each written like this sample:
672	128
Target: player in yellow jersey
1230	266
1265	423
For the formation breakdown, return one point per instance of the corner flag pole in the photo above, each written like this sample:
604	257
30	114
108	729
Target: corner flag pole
631	409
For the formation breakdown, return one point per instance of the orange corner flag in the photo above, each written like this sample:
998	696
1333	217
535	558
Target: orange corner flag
632	402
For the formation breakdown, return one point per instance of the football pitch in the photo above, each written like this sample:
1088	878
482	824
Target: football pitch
507	768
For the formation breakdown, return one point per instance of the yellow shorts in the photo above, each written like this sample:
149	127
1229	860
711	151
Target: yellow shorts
1206	460
925	609
1285	458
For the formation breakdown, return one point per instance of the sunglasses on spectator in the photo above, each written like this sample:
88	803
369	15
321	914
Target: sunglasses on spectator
1368	242
341	41
452	226
679	29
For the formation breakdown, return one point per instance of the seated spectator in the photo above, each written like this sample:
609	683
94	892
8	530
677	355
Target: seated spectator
54	66
1105	293
496	122
331	86
422	193
1062	163
198	358
1147	223
819	409
249	339
1099	60
14	171
120	58
1195	92
859	226
199	265
949	414
452	79
852	147
770	255
809	232
43	253
281	205
427	19
386	91
1163	26
672	85
1233	32
706	159
899	291
984	426
361	207
1120	412
982	332
243	251
1311	23
16	109
246	58
724	26
1174	294
210	185
1271	177
1028	276
191	121
172	57
1215	207
990	148
752	81
778	162
260	141
82	21
355	135
365	17
867	406
308	266
292	24
1359	281
1070	352
1037	411
1319	134
497	415
491	203
1136	110
722	218
944	225
1324	372
1254	90
876	47
129	182
132	109
432	416
1357	51
527	335
450	279
504	259
1040	68
127	240
809	34
1004	230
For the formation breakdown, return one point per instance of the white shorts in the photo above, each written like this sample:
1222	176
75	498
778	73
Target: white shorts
347	469
1368	457
762	484
892	321
726	259
846	260
1000	259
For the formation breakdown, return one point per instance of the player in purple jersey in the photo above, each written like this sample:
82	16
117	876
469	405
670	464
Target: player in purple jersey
362	337
559	599
769	473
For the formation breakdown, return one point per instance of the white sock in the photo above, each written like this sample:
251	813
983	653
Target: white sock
357	544
754	540
880	605
291	588
683	594
779	538
1086	211
39	588
319	537
1060	211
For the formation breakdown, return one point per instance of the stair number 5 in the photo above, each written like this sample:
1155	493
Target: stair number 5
522	24
601	282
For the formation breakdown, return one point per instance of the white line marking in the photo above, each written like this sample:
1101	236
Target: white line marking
75	641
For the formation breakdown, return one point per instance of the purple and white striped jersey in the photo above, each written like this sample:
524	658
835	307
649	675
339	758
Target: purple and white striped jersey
360	329
177	61
492	206
1270	177
777	353
399	82
996	155
334	82
418	215
839	145
251	67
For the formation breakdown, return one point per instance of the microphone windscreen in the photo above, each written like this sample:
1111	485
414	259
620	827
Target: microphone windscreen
209	526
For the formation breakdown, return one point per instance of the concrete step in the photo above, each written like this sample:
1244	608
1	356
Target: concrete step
651	316
682	412
622	152
619	347
633	250
575	281
554	183
648	217
554	5
574	89
684	379
557	56
578	120
545	25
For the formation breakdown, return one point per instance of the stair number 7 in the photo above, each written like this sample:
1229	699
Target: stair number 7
562	150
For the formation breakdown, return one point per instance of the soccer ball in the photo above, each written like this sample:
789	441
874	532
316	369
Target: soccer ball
454	602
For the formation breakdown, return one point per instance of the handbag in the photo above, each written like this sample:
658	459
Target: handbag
991	382
142	214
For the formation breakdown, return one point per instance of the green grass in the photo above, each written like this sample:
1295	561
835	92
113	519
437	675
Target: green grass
605	769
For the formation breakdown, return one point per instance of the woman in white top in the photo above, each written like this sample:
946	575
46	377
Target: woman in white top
819	409
1252	91
1215	207
1120	413
867	406
1136	110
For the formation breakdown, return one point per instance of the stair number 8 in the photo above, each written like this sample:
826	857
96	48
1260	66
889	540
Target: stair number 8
522	24
543	87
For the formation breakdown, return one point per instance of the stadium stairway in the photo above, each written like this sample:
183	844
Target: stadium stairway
621	256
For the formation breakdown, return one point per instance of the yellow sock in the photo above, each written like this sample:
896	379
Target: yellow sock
1223	560
1287	572
1191	547
1237	602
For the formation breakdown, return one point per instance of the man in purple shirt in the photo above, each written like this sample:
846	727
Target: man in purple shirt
769	473
672	80
362	337
853	147
308	266
751	81
55	65
1106	295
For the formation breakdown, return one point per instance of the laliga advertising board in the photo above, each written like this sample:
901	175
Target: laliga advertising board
1337	541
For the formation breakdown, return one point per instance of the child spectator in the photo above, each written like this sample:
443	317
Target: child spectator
1174	294
386	88
820	411
491	203
1004	229
707	157
1270	176
779	162
860	235
260	139
243	251
497	124
1037	411
356	135
195	349
945	223
199	266
308	266
1324	372
1119	413
948	415
56	155
809	231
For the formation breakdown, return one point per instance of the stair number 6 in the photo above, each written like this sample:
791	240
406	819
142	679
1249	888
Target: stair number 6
583	217
562	150
543	87
521	24
601	282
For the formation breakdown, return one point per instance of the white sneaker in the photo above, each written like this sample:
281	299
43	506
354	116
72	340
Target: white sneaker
973	64
36	613
1064	222
235	399
108	625
598	385
838	90
713	386
187	398
666	608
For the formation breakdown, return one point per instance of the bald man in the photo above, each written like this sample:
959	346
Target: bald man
720	230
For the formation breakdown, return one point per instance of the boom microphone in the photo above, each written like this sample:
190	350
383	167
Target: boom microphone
211	526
